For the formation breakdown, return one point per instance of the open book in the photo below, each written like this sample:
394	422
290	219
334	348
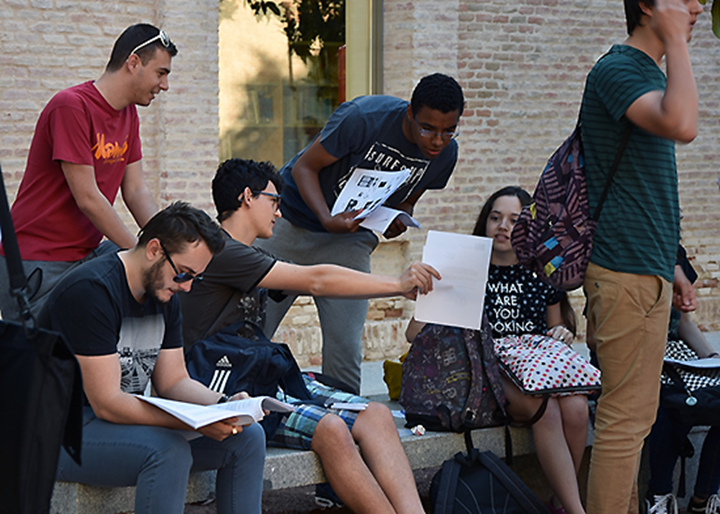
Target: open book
247	411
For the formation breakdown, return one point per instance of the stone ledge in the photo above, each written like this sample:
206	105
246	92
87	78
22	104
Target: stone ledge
286	468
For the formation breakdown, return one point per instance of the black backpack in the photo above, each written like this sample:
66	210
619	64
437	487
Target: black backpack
480	483
227	362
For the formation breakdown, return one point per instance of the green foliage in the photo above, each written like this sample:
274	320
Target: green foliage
715	16
307	24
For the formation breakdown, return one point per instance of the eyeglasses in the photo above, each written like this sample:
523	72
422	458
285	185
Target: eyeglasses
162	36
275	197
179	277
431	133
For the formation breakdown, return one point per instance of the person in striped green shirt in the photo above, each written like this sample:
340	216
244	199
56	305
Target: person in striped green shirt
629	280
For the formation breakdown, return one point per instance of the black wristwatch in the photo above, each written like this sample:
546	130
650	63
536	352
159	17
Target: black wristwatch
224	398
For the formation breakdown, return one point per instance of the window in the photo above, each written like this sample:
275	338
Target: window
282	71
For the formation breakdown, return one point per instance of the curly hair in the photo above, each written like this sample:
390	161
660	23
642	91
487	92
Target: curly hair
439	92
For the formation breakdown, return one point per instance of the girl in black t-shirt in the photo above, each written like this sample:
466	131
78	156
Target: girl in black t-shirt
518	303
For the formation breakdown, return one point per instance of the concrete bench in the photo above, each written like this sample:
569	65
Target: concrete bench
292	468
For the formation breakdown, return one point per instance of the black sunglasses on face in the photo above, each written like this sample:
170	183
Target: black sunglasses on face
179	277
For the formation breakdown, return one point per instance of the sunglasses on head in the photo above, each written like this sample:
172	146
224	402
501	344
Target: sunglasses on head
162	37
179	277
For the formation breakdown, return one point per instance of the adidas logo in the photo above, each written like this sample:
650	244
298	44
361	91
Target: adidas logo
224	362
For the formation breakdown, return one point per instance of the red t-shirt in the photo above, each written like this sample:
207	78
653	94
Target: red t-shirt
80	127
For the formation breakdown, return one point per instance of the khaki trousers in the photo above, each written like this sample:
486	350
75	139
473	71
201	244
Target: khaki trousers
630	315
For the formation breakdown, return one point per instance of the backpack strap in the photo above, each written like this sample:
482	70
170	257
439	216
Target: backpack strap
521	492
448	483
613	171
469	446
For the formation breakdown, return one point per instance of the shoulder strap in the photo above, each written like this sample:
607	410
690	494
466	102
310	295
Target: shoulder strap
524	496
613	170
446	490
16	273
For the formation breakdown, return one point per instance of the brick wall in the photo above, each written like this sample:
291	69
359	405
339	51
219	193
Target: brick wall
48	45
522	66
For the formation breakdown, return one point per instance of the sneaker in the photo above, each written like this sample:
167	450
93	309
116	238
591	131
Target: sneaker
713	505
326	498
710	506
661	504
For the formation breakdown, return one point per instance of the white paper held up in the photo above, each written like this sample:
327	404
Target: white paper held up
368	190
247	411
458	299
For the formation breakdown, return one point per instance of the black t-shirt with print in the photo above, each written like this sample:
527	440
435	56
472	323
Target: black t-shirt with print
516	301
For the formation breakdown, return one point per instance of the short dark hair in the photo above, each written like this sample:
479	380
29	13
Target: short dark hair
439	92
633	13
481	223
233	176
131	38
179	224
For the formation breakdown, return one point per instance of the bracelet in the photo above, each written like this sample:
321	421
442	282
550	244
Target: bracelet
224	398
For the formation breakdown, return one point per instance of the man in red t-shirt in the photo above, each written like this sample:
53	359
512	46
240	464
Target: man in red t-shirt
86	147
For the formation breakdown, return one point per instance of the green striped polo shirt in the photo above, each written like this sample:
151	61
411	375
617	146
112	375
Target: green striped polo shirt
639	227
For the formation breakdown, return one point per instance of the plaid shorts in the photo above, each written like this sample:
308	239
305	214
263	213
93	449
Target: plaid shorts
297	428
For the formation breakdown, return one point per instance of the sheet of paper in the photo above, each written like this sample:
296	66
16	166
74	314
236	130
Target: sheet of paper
711	363
380	220
458	299
357	407
368	190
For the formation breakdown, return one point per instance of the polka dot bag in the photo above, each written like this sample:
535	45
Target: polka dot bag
539	364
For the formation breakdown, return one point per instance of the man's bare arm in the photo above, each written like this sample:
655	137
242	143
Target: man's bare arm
92	203
136	194
672	114
101	382
339	282
306	174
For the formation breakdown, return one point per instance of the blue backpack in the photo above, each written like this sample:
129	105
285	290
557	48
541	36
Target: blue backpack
229	363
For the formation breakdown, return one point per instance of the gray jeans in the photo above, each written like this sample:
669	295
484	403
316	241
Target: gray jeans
43	276
341	321
159	460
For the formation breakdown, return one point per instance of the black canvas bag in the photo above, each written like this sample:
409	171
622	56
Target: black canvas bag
41	390
480	483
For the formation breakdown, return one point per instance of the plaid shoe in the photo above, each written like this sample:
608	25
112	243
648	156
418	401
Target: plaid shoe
661	504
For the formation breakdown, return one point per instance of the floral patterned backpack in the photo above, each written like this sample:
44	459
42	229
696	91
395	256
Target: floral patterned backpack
451	380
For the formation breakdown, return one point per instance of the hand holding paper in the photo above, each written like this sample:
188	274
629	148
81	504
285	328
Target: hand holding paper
463	261
418	278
